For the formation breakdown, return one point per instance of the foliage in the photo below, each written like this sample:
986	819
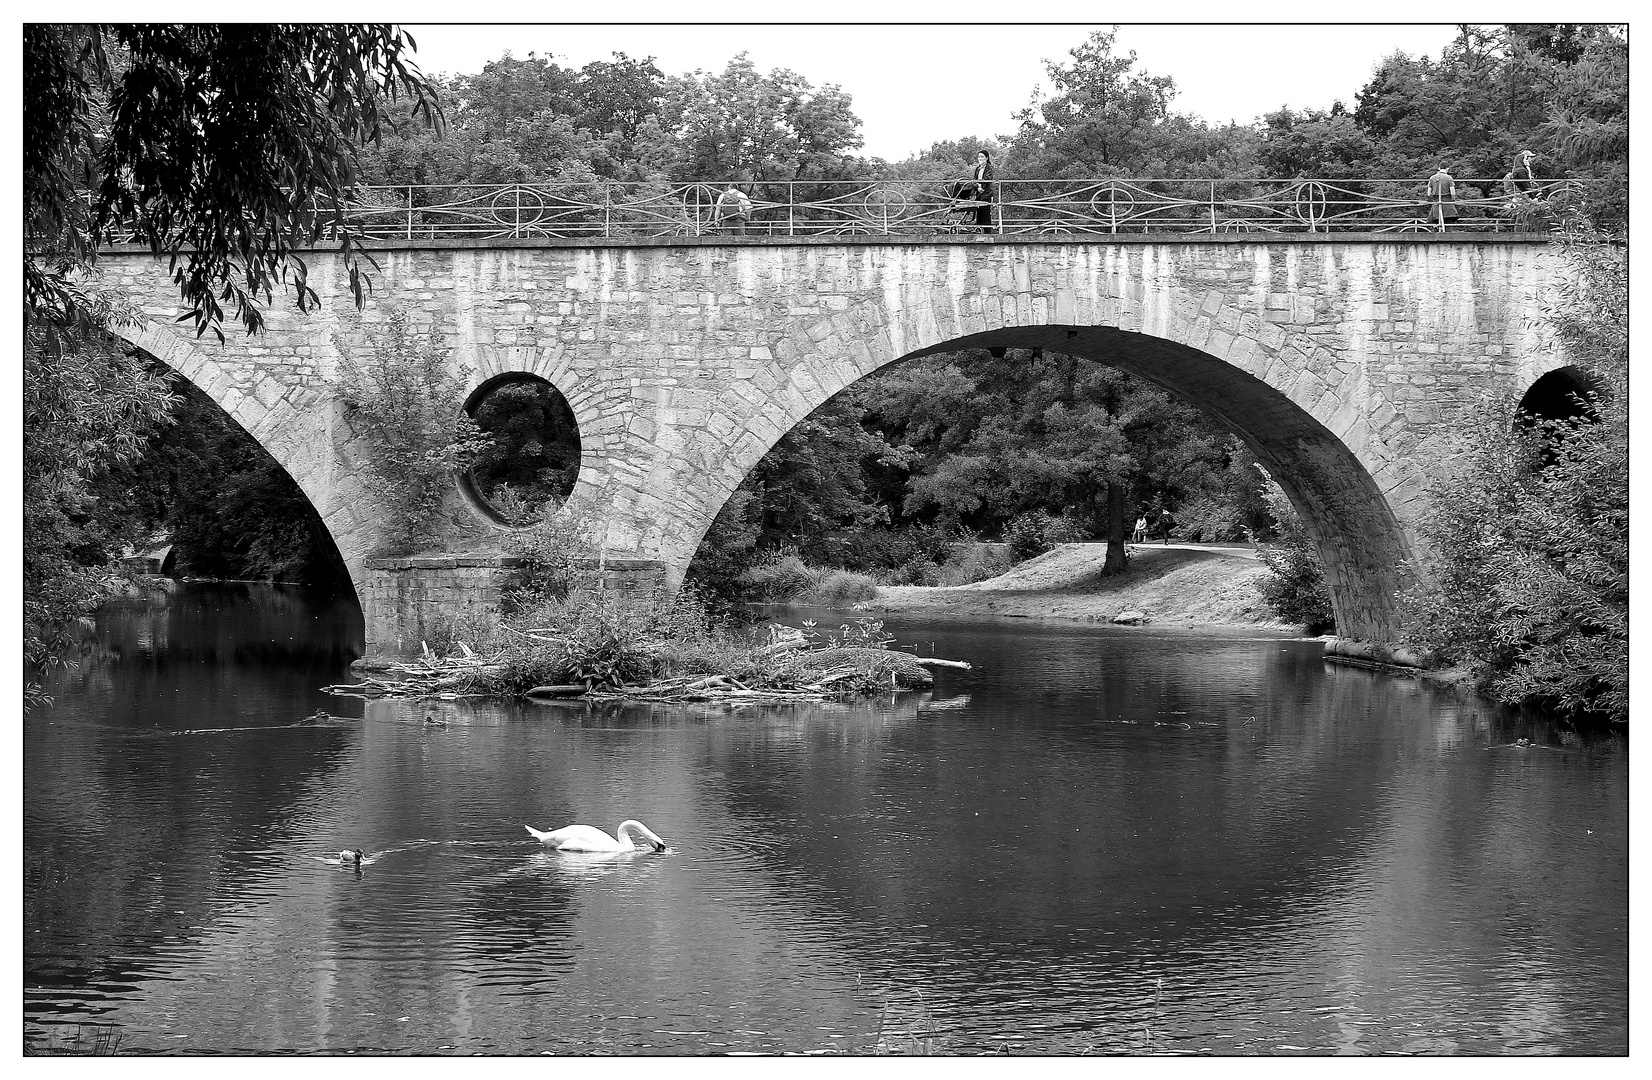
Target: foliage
217	145
780	577
531	457
398	388
251	522
741	123
838	588
1103	120
223	147
1296	588
1226	503
557	559
854	634
1530	572
971	563
89	405
1026	537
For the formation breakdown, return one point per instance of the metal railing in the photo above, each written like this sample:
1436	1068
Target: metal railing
619	210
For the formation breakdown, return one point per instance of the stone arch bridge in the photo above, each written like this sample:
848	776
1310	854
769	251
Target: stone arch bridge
1344	361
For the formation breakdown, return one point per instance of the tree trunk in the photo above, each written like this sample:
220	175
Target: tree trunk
1116	534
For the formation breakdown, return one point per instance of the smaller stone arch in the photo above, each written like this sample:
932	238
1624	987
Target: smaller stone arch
1562	393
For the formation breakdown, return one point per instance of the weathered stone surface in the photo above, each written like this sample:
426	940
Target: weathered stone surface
1345	364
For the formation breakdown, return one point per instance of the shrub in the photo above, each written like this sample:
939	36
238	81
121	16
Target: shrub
973	562
1530	570
780	578
1296	587
1025	535
920	570
1066	530
399	389
557	557
837	587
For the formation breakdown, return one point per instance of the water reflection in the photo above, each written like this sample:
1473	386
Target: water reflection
1097	841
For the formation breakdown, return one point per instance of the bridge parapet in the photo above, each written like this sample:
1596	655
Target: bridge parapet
1050	209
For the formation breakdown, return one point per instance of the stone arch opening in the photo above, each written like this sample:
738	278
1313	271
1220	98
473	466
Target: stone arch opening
533	463
240	505
1366	553
1561	394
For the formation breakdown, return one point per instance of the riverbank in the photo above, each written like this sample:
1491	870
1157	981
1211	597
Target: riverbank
1179	584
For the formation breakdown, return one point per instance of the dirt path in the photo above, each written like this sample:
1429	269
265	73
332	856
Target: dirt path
1179	584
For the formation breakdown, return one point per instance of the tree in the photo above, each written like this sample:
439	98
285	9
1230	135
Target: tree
224	148
1103	119
1295	587
396	390
999	435
765	127
1530	534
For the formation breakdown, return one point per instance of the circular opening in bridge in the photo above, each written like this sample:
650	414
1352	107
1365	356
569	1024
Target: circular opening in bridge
530	468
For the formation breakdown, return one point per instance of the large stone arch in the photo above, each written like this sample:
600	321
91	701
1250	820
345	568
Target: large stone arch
1342	457
298	425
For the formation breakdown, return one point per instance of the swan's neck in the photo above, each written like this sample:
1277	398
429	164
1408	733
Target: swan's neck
629	831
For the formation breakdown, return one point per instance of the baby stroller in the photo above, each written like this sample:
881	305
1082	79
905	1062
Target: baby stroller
964	211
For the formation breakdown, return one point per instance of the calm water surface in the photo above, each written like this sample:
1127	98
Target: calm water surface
1099	841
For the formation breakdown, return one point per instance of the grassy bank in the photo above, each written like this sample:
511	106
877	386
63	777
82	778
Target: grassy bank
1167	585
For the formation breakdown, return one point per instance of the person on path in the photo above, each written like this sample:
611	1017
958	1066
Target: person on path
1442	197
1139	536
1165	522
732	212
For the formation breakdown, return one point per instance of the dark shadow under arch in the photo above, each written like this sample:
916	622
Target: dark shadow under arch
1366	554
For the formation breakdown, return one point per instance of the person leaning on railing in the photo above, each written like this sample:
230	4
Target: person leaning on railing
732	212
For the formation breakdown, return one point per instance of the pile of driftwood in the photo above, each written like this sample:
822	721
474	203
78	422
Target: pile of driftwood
430	676
794	673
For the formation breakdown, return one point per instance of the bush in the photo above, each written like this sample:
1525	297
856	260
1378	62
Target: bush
1066	530
780	578
400	390
838	587
1296	588
557	558
973	562
1025	535
920	570
1530	572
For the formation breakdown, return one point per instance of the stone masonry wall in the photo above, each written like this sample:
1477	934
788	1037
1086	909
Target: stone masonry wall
1344	362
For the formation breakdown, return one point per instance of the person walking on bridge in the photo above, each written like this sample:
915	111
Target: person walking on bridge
1442	196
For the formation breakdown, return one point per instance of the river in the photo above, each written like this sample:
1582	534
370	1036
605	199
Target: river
1100	840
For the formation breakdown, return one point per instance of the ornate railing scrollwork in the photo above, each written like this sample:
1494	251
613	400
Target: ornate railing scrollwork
602	209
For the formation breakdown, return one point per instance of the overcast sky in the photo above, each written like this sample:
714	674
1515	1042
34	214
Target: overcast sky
916	85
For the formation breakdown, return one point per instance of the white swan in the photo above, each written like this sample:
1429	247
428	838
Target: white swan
589	838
